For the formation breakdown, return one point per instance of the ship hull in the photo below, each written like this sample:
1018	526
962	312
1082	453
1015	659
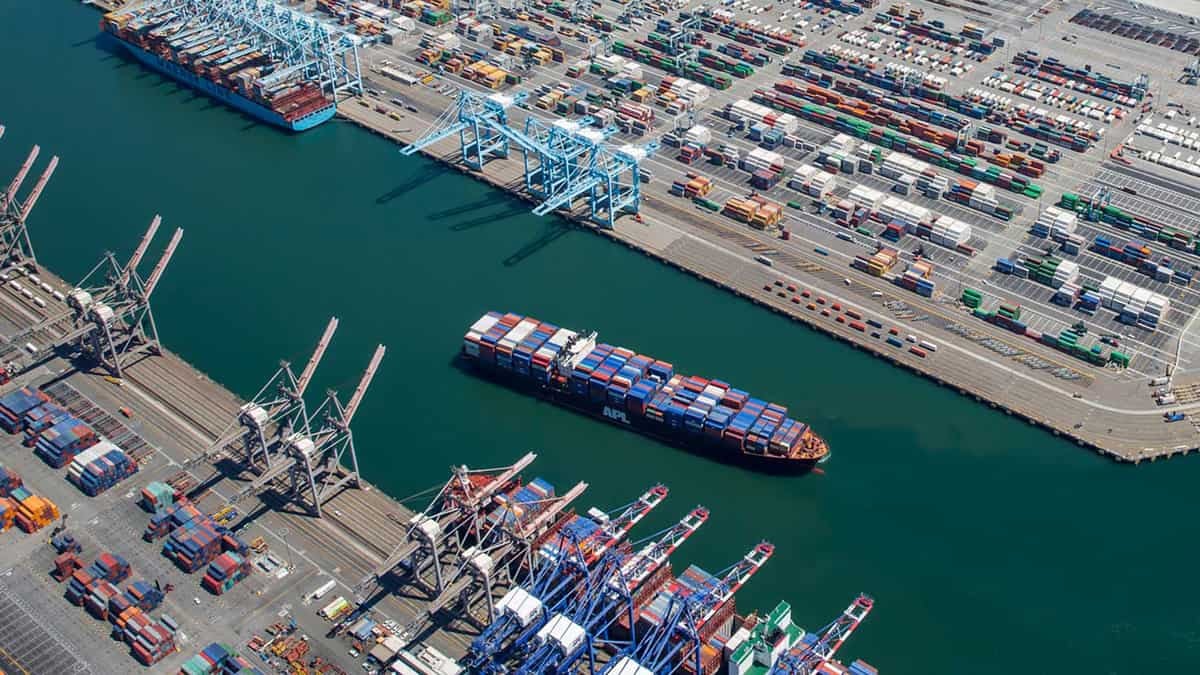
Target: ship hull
695	443
231	98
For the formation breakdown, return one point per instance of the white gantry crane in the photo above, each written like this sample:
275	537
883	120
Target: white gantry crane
275	412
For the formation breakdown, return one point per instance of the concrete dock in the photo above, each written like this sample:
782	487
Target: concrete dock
178	412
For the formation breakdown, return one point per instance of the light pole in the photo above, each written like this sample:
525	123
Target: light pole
283	533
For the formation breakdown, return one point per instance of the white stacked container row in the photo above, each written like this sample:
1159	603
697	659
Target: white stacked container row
518	333
896	163
687	89
761	158
475	333
612	62
996	101
1067	272
755	113
1120	296
1169	133
699	134
866	197
1060	222
1189	165
983	198
950	232
79	464
896	209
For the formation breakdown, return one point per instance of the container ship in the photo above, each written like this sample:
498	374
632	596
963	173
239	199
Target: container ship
235	73
640	392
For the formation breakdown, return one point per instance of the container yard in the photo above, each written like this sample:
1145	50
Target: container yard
919	165
863	168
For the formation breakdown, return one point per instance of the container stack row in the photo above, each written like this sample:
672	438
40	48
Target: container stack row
15	404
59	444
193	544
9	480
1139	225
1141	257
27	511
218	659
1086	80
100	467
157	497
1133	304
166	521
224	572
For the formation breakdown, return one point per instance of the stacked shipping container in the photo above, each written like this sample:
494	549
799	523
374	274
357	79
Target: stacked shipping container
100	467
59	444
15	404
633	389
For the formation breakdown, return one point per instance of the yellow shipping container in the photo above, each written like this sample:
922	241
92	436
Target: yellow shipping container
496	80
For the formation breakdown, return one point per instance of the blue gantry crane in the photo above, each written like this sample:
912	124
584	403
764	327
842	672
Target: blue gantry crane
562	561
804	660
479	121
685	623
564	161
563	637
580	624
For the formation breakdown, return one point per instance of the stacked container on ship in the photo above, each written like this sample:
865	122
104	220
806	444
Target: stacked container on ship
217	63
641	392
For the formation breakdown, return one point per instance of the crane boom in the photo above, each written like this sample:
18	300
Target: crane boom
37	188
311	367
10	194
140	251
642	564
485	493
161	267
533	526
361	390
733	579
805	660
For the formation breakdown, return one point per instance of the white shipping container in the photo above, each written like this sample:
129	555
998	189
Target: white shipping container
699	134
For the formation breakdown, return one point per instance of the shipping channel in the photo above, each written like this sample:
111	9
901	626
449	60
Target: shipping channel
989	546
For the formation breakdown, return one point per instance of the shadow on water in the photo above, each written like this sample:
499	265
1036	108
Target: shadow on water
510	212
427	174
106	43
556	231
465	208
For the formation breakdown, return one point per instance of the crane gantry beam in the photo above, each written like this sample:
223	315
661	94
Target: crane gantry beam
17	248
456	509
806	659
275	412
564	161
314	462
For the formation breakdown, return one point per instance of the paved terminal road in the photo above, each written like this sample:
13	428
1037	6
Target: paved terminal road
26	645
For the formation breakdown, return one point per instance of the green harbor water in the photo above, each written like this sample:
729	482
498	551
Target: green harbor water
989	546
